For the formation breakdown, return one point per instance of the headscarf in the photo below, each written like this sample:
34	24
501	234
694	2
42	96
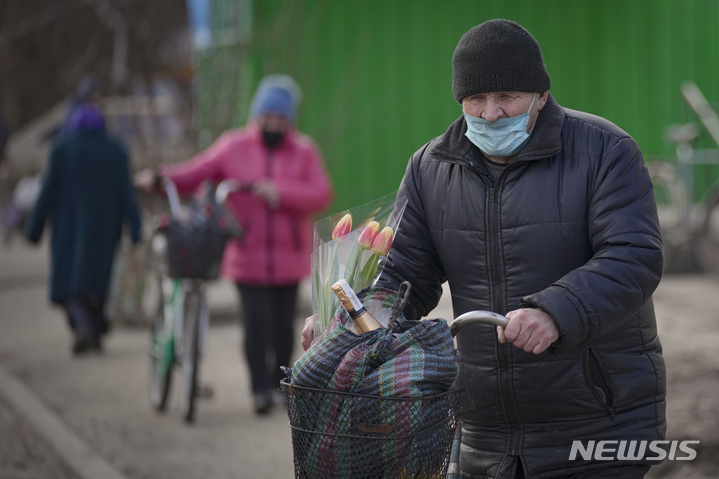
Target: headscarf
86	117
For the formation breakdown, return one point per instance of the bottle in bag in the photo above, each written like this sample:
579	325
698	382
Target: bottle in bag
363	321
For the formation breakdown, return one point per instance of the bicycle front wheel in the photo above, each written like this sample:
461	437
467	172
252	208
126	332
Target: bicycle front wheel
162	351
191	353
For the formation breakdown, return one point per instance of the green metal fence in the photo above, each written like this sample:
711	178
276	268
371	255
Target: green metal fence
376	75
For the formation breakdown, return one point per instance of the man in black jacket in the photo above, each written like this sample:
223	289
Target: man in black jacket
546	215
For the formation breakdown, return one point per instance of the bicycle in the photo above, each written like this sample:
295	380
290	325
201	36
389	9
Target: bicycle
179	317
683	221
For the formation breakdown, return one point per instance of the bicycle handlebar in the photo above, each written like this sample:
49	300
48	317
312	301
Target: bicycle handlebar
224	188
476	317
696	100
172	195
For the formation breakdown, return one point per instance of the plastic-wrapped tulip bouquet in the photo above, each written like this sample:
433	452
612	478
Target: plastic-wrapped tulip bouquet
351	245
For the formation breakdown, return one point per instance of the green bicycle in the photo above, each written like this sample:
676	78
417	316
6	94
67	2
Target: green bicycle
178	312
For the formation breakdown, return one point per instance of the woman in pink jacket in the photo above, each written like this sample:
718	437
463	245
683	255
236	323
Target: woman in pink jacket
288	184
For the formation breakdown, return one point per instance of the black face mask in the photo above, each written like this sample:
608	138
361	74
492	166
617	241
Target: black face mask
272	138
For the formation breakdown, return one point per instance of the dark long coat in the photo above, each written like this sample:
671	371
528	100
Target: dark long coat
86	195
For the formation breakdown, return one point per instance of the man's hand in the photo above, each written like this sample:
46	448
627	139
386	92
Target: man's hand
266	189
530	329
308	334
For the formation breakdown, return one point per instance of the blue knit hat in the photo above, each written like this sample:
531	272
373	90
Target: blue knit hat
274	100
276	94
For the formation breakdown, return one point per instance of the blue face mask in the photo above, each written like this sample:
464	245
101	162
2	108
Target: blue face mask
499	138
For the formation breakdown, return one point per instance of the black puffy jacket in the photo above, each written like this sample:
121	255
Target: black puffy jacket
570	226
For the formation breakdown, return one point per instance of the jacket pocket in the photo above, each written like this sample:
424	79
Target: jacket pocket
599	382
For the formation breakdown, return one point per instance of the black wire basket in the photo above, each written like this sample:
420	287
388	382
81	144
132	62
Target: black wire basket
347	435
194	250
196	240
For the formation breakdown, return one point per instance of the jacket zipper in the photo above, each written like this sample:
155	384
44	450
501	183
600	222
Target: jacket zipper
270	240
497	304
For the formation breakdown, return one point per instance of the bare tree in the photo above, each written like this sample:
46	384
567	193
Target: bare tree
114	20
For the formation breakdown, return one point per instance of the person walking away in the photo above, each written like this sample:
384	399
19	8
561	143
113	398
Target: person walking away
288	185
87	195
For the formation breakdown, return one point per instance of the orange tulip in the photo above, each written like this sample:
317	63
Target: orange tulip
368	235
383	241
343	228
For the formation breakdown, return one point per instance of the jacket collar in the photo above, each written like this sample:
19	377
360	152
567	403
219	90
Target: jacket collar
544	142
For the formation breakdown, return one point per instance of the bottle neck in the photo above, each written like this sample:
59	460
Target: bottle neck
354	314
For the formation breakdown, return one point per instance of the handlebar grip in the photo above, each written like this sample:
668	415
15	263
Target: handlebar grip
476	317
226	187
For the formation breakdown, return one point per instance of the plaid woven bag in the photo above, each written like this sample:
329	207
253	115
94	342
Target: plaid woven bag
410	359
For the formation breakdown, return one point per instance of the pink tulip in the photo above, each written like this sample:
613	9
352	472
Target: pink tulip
343	228
383	241
368	235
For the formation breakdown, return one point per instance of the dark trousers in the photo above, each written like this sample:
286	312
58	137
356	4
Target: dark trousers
86	314
267	315
619	472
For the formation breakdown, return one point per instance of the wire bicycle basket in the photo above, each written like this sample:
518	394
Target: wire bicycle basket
347	435
197	234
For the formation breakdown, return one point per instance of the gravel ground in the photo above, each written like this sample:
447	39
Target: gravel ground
23	454
689	329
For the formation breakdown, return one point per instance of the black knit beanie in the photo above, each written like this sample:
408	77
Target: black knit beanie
498	55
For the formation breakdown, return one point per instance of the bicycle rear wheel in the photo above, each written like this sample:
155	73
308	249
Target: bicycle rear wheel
191	353
162	351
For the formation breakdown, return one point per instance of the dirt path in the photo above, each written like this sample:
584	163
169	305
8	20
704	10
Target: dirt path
688	320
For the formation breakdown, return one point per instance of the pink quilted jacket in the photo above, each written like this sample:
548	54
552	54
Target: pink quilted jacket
277	243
